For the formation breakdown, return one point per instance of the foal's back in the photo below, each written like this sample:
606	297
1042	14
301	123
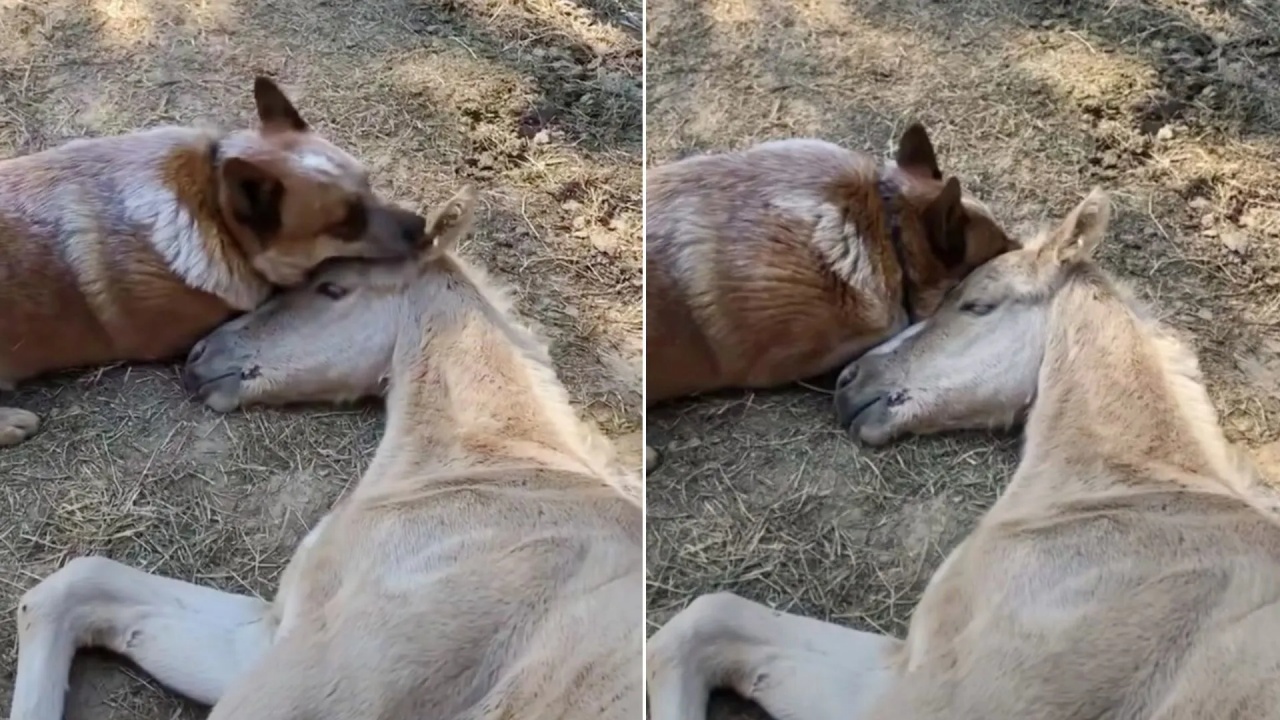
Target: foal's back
490	593
1152	604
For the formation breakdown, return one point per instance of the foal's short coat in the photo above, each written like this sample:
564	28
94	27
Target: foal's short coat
1130	570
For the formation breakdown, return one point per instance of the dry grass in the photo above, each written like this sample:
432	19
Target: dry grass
537	101
1174	105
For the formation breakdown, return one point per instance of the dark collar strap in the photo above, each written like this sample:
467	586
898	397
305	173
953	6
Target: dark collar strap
888	198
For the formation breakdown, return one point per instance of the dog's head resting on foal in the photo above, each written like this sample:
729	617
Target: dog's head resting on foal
976	362
333	338
960	232
291	199
433	330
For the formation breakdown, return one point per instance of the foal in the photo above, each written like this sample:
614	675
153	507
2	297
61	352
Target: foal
1129	570
487	564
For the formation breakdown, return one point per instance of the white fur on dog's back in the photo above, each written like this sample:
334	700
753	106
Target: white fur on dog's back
113	188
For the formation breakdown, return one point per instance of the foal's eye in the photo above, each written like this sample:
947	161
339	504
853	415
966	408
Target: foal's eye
976	308
331	291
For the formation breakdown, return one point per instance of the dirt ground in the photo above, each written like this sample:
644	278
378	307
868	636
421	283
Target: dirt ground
1173	105
537	101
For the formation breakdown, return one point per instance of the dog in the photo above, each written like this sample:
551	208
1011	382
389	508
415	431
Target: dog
133	247
786	260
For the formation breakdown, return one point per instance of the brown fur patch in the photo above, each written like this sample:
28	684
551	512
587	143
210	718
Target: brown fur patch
775	264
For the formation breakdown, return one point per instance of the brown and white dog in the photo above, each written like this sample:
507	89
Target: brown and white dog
130	248
787	260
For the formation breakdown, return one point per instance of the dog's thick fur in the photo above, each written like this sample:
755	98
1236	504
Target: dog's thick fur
777	263
130	248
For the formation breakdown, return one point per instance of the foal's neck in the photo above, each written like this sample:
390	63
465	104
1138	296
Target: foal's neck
472	389
1120	404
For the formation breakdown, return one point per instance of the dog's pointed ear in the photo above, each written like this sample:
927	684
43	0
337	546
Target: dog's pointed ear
252	196
450	223
275	111
944	222
1078	236
915	153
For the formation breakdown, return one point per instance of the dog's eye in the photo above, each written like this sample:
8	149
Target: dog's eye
976	308
331	291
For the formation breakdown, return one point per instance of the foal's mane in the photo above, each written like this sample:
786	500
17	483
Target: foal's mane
1176	359
589	444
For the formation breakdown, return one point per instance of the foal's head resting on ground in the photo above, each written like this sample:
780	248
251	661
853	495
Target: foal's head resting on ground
333	338
975	363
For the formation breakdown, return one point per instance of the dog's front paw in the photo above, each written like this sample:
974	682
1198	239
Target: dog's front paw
16	425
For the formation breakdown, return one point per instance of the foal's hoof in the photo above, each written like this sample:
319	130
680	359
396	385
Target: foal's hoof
16	425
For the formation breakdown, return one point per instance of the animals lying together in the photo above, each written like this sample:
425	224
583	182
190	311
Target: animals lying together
789	259
1131	567
489	561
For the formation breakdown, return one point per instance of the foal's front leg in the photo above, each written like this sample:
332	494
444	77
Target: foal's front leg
192	639
796	668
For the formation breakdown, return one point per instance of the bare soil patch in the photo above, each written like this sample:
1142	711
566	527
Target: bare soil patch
1173	105
537	101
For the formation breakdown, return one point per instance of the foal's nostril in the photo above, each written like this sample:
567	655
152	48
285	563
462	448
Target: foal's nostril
190	381
847	376
197	352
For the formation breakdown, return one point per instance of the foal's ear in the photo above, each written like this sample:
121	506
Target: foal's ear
1080	233
450	223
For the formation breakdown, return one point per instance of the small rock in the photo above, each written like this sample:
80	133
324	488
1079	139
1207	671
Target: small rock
543	137
603	240
1165	134
1235	241
1199	203
579	222
1206	220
